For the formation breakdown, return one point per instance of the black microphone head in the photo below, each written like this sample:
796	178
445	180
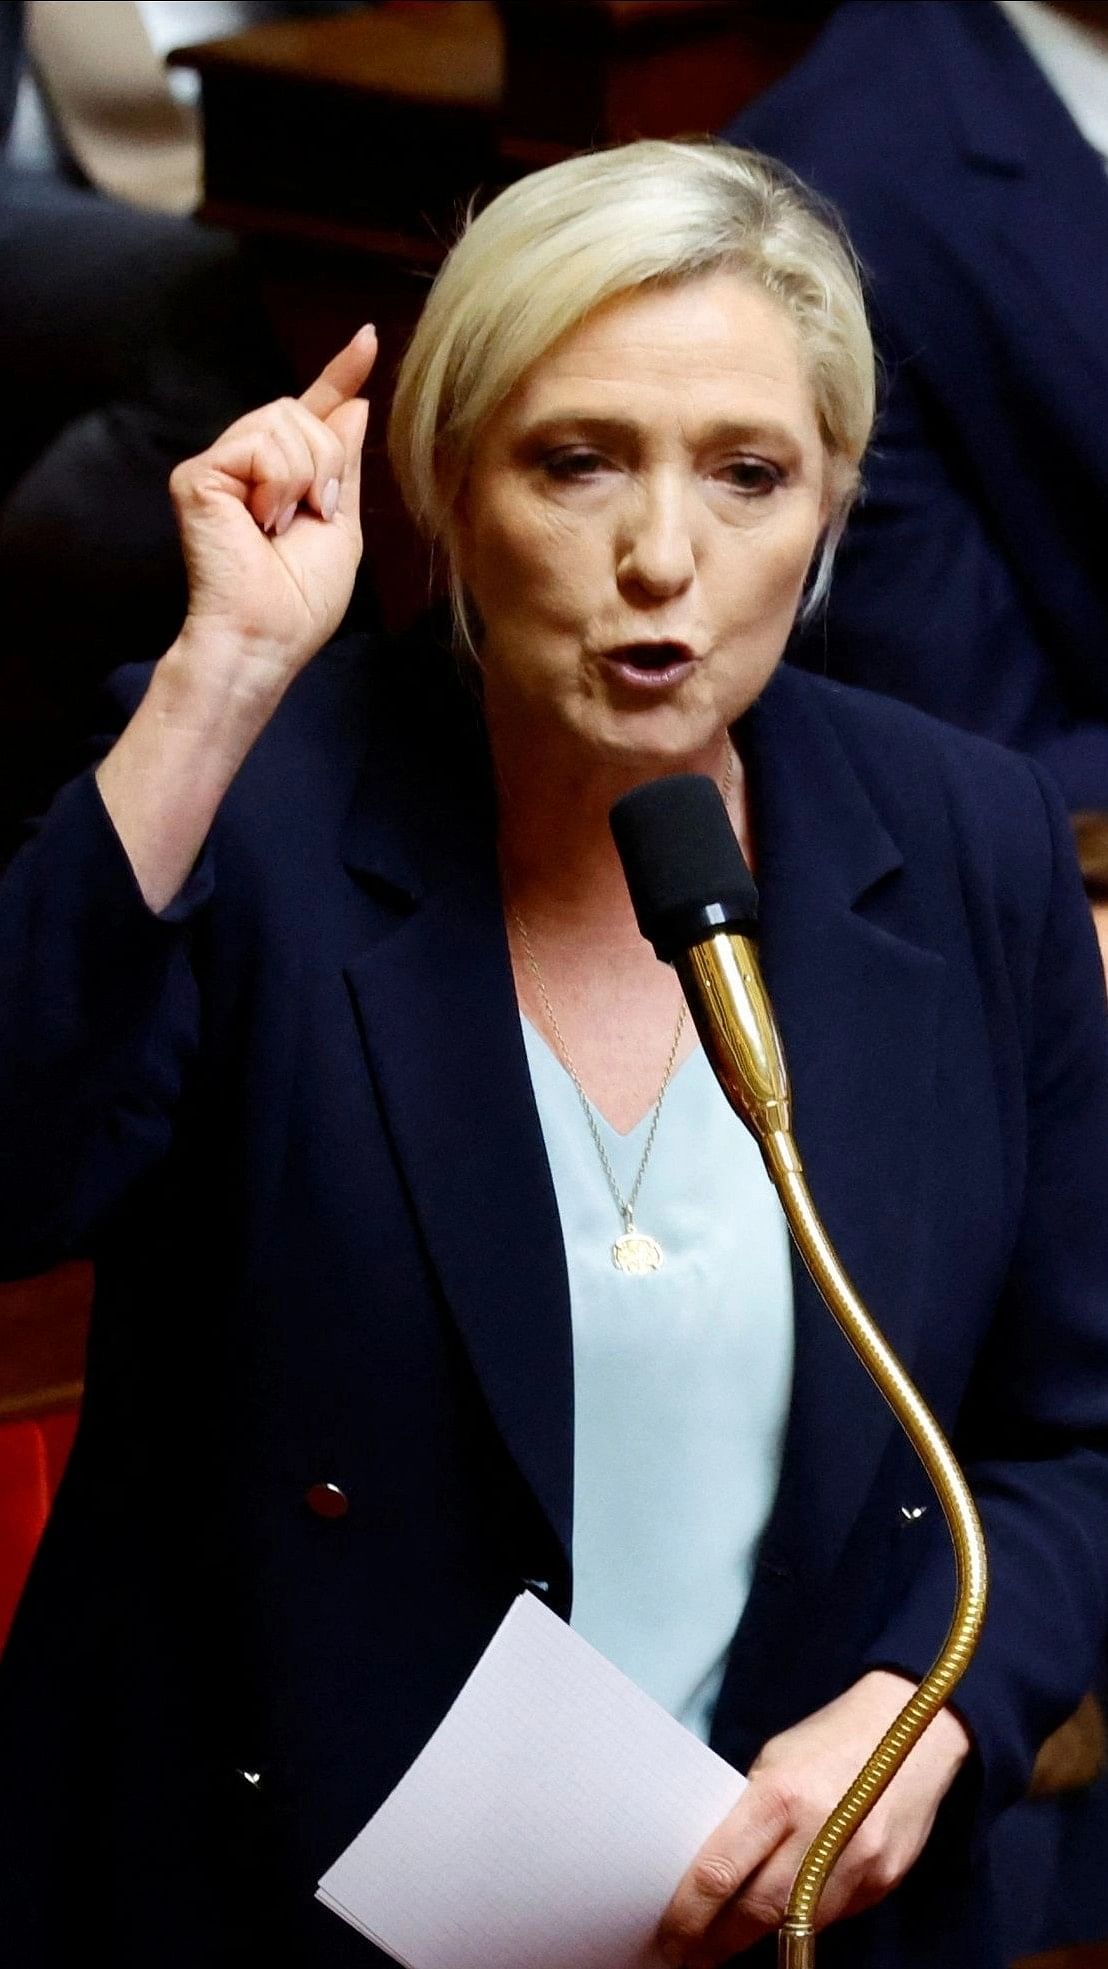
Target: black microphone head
684	867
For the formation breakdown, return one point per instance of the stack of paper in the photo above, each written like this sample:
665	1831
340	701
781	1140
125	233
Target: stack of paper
546	1823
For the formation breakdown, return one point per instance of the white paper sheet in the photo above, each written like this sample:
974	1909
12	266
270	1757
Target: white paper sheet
546	1823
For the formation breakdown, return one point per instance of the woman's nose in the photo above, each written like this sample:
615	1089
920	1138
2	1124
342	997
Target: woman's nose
656	552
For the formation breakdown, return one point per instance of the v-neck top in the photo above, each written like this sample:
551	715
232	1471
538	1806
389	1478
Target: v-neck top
682	1379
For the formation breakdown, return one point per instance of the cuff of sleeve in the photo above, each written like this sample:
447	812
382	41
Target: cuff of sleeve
907	1646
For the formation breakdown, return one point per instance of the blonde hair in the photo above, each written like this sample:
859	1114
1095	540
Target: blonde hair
556	245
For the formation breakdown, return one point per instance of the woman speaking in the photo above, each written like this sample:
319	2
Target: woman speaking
430	1262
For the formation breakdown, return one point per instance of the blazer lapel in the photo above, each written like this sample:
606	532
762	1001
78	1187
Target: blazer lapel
436	1006
858	1010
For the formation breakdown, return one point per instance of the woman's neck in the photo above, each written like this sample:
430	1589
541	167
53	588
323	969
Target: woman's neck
558	858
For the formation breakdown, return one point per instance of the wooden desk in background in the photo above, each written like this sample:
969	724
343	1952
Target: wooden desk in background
43	1322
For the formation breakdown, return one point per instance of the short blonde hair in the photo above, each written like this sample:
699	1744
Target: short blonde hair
556	245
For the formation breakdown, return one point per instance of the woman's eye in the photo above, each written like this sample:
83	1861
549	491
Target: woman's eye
753	476
569	465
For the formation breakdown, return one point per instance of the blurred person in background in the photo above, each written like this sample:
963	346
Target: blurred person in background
966	146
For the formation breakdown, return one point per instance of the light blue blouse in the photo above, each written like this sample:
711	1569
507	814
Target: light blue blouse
682	1379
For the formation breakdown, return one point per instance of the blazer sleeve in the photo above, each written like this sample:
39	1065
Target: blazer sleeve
1033	1437
926	604
98	1025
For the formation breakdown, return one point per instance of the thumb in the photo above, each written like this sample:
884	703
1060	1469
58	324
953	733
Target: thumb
348	423
753	1829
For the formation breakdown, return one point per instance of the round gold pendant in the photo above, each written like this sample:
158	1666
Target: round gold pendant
637	1253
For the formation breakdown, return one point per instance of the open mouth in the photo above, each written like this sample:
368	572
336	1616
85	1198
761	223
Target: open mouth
651	663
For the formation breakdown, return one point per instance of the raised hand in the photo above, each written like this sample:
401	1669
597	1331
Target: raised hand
270	528
269	522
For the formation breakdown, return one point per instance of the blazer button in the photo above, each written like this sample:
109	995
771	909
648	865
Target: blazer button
327	1501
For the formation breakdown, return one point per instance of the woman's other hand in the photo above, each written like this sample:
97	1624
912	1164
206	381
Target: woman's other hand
269	523
737	1887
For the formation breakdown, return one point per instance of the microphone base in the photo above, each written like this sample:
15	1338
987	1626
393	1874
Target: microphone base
796	1948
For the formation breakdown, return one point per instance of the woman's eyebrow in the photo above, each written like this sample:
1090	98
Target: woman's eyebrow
561	424
749	430
583	423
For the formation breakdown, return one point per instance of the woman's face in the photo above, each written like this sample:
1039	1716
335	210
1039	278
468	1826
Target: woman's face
639	517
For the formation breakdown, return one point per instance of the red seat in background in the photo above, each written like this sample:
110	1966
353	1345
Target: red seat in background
43	1325
32	1458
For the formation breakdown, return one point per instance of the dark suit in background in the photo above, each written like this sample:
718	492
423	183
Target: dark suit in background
974	578
293	1118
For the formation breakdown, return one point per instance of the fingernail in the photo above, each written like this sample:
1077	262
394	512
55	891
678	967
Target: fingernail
369	328
285	519
329	500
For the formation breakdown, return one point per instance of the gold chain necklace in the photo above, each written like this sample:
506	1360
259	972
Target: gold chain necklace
635	1252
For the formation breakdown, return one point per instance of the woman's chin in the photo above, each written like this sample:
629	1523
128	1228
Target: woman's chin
659	741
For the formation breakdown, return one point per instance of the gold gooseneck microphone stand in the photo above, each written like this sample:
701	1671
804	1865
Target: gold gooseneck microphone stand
729	1004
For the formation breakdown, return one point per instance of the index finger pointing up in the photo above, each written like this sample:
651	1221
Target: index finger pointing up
344	375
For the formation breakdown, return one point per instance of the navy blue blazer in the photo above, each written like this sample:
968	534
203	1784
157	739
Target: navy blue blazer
293	1120
973	579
